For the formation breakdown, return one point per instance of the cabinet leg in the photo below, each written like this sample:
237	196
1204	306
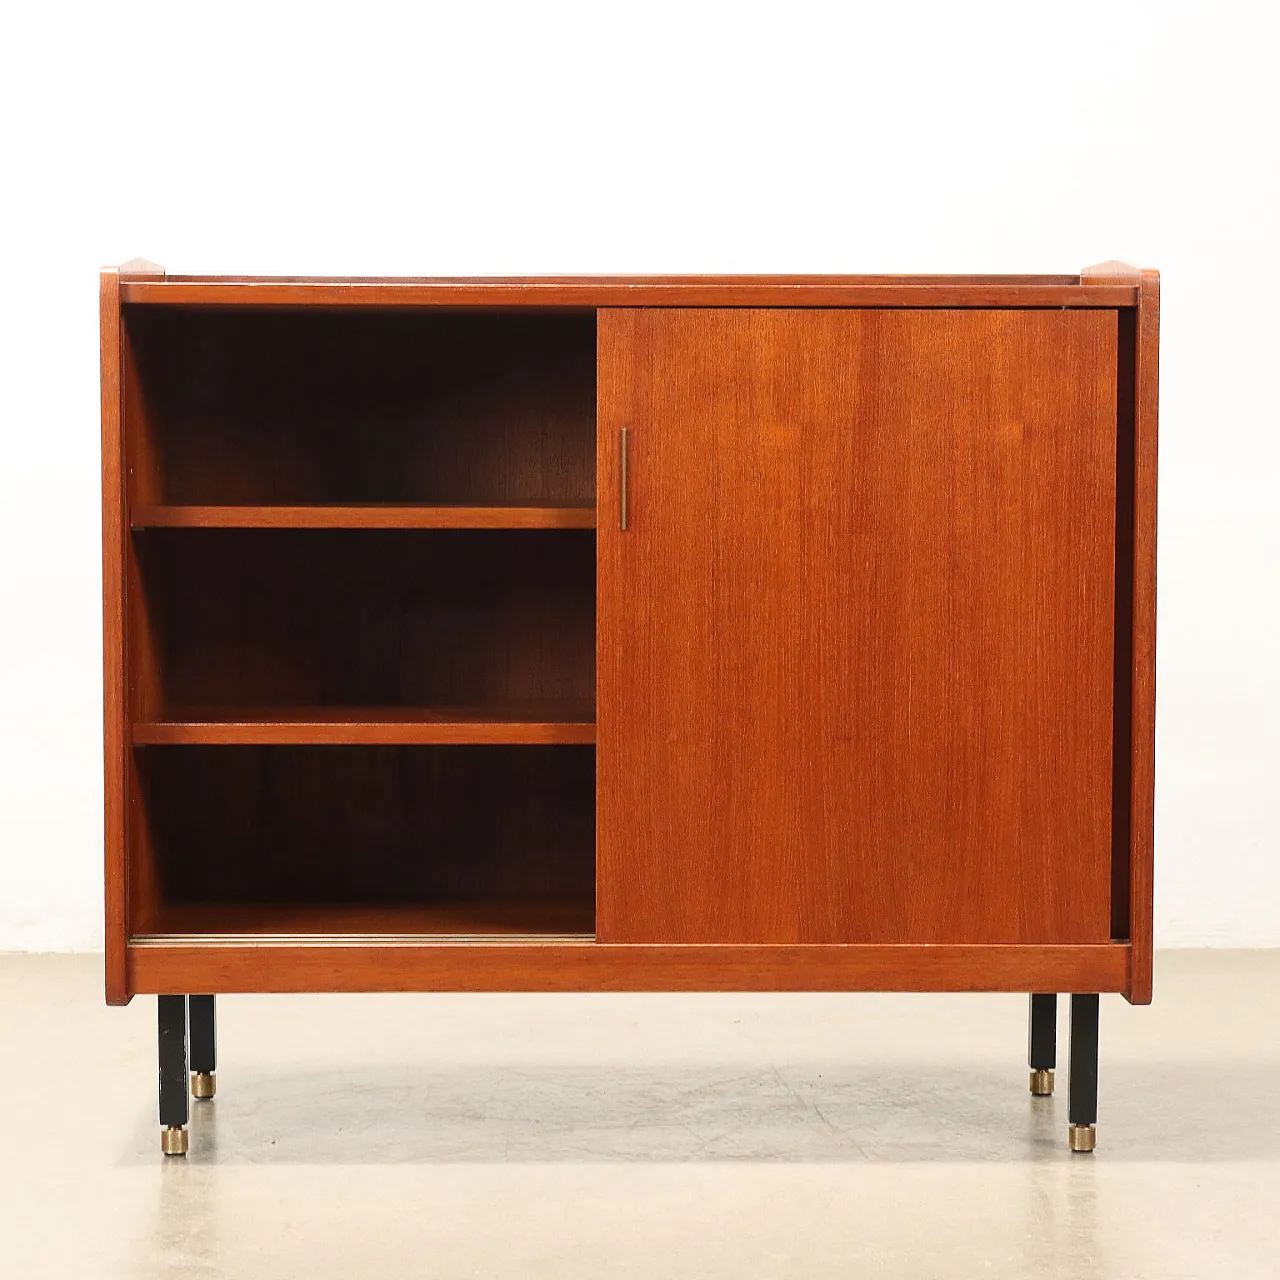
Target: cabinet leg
1042	1043
204	1046
172	1041
1083	1085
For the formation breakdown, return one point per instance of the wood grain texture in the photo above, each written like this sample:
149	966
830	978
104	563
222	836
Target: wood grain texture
1143	780
130	672
920	754
370	516
363	618
553	966
854	663
357	827
310	924
329	407
546	722
142	650
1141	365
535	283
637	291
114	692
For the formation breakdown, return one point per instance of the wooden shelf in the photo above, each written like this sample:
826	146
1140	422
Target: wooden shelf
352	923
545	723
362	516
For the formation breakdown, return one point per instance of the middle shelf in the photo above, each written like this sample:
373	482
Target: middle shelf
546	723
392	636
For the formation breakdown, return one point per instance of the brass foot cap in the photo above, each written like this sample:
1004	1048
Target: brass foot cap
1082	1137
173	1140
1042	1083
203	1085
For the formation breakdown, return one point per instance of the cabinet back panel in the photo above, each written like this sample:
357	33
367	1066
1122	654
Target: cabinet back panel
856	643
371	825
440	618
256	407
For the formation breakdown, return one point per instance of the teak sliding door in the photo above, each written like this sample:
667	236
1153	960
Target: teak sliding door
855	644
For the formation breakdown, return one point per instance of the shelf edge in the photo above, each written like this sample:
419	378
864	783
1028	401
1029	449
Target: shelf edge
390	516
630	292
388	733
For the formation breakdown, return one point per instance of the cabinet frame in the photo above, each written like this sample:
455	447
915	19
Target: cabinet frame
136	963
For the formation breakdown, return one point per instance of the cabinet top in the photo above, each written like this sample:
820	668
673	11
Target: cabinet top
1111	285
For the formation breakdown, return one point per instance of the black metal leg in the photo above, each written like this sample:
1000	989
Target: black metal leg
204	1046
1083	1086
1042	1043
172	1027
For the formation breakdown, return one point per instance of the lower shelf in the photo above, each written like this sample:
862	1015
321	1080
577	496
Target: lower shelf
368	515
341	924
254	833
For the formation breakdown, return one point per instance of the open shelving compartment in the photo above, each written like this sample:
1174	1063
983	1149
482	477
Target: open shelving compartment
452	841
361	617
447	416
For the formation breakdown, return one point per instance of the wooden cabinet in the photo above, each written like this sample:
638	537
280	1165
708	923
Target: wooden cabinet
690	633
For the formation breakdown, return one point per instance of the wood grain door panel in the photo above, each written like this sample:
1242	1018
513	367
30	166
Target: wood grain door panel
854	669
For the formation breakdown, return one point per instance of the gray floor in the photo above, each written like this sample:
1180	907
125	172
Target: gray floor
700	1136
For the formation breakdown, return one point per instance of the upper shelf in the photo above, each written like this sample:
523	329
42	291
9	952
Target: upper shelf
361	410
361	516
627	291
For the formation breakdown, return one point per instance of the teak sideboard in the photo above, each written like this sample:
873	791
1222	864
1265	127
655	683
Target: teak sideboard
629	634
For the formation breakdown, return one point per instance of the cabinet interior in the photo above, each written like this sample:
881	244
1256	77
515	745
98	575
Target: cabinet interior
256	407
445	840
244	620
384	524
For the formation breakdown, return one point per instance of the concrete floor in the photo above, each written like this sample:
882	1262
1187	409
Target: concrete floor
700	1136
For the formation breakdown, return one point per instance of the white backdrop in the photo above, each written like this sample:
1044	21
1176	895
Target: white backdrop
547	137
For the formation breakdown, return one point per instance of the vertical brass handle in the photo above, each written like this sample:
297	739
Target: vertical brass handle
622	474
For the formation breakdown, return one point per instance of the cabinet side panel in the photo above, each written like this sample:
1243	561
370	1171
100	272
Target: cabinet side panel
1122	709
1142	801
114	700
142	486
1133	823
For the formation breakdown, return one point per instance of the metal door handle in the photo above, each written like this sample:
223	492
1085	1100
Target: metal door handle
622	473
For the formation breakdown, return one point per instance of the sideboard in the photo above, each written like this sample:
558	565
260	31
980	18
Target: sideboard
629	634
